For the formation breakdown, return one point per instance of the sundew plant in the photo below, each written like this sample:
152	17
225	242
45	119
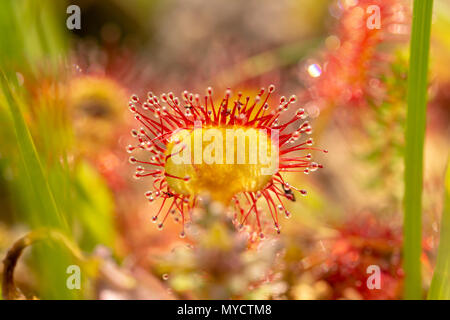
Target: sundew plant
299	152
240	148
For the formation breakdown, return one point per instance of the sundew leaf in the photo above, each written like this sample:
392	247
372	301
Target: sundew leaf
440	284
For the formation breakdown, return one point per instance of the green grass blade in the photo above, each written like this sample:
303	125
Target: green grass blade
51	259
33	169
40	188
440	284
415	136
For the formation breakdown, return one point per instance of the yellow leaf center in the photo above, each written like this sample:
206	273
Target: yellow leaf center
220	161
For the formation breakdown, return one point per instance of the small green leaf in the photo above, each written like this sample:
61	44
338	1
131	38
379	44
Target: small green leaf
440	285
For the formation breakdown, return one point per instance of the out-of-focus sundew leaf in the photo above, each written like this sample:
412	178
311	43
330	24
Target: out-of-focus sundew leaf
440	285
45	202
53	259
415	137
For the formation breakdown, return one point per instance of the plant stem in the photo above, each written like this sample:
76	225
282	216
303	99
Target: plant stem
9	290
415	136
